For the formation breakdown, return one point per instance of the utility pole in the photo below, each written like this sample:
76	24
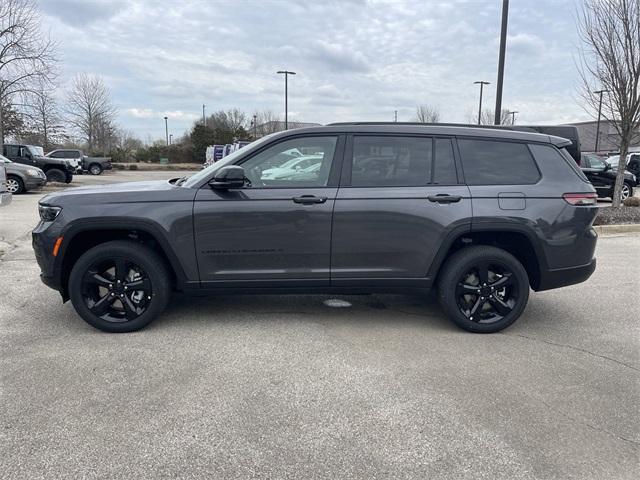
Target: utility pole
600	92
503	48
482	84
255	126
286	74
166	129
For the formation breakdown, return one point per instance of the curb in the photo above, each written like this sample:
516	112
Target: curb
605	230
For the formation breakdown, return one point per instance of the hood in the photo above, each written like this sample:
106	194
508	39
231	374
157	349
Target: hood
19	167
129	192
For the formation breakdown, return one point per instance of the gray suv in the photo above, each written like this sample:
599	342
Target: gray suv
482	215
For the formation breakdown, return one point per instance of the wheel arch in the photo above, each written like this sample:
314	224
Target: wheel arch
517	240
80	237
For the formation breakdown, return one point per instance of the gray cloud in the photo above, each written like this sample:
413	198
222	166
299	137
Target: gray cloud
357	60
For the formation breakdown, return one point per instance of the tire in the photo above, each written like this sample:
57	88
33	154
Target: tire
94	288
95	169
68	178
476	306
627	191
15	185
55	175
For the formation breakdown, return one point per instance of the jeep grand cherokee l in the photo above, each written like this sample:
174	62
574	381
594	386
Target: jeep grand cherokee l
482	215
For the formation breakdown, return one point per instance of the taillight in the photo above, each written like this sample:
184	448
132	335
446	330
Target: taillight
581	199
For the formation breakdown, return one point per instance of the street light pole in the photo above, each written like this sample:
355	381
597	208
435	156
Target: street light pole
395	115
482	84
204	122
600	92
286	74
503	48
166	129
170	138
513	116
255	127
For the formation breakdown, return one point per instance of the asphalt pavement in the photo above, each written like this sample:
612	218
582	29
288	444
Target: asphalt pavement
291	387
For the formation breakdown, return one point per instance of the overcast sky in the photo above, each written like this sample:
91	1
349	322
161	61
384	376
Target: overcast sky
355	60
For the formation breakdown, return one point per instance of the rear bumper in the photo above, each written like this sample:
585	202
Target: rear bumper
562	277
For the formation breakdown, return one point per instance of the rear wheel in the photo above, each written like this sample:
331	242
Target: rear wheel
95	169
627	191
483	289
55	175
119	286
15	185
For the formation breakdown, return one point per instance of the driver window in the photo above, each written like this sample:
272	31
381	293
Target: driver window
299	162
597	164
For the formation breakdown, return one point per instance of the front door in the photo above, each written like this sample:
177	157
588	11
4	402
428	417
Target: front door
275	231
399	197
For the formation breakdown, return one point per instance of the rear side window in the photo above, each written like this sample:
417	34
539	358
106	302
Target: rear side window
387	161
491	162
557	164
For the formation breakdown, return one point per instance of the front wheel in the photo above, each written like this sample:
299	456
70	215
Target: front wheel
483	289
627	191
55	175
15	185
119	286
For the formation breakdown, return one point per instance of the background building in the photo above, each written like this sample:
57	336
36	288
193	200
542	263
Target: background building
609	139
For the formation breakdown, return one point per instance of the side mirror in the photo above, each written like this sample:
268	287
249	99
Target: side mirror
231	176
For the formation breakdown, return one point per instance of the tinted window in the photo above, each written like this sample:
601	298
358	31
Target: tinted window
444	172
57	155
12	150
299	162
490	162
391	161
557	164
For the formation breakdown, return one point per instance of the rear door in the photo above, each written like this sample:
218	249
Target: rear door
399	198
600	177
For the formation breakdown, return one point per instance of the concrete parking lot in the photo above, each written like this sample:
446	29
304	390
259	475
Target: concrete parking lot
289	387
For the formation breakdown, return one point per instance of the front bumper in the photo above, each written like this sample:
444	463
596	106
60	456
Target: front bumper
34	182
43	239
563	277
5	198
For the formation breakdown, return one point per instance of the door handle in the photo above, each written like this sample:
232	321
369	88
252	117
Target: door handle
309	199
444	198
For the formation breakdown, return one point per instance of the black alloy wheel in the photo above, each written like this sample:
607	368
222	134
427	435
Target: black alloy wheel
487	292
116	290
120	286
483	289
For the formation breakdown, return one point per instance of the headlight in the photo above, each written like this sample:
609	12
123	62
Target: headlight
47	213
32	172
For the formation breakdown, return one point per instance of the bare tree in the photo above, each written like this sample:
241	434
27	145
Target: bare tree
126	145
233	121
90	112
267	122
27	56
487	117
44	125
610	31
427	114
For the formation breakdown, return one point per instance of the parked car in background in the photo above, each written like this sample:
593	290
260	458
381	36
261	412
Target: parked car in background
290	167
481	215
603	176
5	195
82	162
633	162
56	169
22	178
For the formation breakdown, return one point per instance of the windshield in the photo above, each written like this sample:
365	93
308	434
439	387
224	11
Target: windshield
228	160
37	151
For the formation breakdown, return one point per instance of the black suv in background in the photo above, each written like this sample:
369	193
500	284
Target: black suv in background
56	169
603	177
482	215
